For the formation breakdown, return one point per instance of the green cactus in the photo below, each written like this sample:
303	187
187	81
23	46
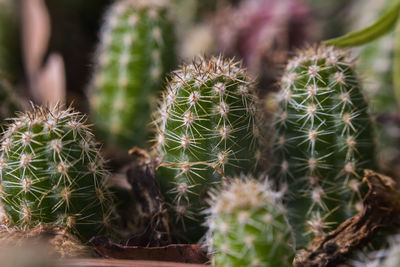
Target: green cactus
248	226
52	172
324	139
207	129
136	49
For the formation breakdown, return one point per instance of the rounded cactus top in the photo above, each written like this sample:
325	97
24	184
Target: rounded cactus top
241	194
208	124
210	106
247	226
52	172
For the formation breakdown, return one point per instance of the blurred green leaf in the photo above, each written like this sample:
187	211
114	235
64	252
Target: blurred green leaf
383	25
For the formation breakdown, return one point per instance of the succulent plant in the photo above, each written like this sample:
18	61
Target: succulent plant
136	49
52	172
247	226
207	129
324	139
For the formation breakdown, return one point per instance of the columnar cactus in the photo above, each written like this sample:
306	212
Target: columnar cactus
324	139
247	226
136	49
52	172
207	129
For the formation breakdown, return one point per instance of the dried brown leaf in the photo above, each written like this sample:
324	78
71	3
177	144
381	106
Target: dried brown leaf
381	209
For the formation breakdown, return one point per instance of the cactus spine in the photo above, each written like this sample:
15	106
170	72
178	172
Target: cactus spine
248	226
207	129
52	172
324	139
137	48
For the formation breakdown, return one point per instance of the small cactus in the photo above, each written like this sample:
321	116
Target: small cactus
136	49
324	139
207	129
52	172
248	226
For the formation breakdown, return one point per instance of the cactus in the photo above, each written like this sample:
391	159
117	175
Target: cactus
137	48
52	172
324	139
248	226
207	129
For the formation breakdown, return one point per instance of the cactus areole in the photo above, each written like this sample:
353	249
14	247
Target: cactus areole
52	172
207	129
136	50
324	139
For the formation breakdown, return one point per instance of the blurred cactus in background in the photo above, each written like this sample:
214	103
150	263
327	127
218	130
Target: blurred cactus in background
324	140
136	50
376	67
375	58
262	32
207	129
247	226
332	16
10	54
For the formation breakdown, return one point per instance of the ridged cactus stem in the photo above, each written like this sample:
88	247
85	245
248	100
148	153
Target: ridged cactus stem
247	226
207	130
136	50
52	172
324	139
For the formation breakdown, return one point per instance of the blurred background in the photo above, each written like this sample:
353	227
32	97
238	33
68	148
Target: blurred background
48	48
260	32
